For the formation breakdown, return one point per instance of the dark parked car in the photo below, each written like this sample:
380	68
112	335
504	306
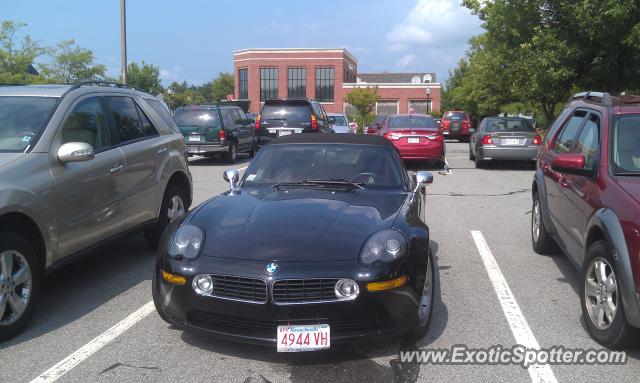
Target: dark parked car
586	197
321	242
504	138
280	118
456	124
216	130
416	137
376	125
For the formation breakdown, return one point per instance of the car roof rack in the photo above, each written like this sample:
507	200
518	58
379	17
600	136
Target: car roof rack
111	84
604	97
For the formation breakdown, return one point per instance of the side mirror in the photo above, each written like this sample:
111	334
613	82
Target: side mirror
570	163
231	176
332	120
75	152
424	178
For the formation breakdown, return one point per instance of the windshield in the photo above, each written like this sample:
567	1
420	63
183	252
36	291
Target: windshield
455	116
208	118
626	144
411	122
340	121
508	125
373	166
300	112
22	120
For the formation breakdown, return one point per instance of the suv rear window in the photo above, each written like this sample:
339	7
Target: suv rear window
455	116
290	111
207	118
22	119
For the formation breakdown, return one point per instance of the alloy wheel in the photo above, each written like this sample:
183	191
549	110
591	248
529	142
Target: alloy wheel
176	208
601	293
15	286
424	311
535	221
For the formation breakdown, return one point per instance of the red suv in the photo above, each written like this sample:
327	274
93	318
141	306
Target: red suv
456	124
586	198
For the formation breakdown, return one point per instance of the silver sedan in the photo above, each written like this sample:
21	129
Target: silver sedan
339	123
504	138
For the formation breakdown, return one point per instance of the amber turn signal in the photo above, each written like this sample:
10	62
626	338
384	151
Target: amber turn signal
173	279
387	285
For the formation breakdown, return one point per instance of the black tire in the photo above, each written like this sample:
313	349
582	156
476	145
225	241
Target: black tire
618	334
471	156
253	150
231	156
20	244
421	327
154	234
542	243
532	165
479	163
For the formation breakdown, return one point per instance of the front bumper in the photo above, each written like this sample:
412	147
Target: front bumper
373	316
508	153
206	148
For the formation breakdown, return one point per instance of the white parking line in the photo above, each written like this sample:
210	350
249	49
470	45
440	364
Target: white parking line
241	169
71	361
518	323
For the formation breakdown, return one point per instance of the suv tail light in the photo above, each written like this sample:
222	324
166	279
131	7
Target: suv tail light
314	122
258	121
222	135
465	124
486	140
537	140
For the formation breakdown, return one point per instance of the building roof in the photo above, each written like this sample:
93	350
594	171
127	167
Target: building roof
296	50
394	78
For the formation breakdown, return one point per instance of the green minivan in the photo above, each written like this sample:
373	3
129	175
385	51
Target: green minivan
216	130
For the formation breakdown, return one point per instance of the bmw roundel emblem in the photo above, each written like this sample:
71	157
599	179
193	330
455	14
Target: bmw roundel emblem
271	268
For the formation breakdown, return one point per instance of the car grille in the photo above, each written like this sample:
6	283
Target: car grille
268	329
291	291
239	288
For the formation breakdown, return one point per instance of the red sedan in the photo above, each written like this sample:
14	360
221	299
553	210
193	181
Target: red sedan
416	136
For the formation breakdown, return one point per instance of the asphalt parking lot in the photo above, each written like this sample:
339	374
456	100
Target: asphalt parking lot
82	301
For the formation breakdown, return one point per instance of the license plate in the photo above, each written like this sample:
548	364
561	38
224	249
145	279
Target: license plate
194	138
283	133
510	141
304	338
413	140
446	132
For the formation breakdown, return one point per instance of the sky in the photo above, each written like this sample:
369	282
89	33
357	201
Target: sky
193	40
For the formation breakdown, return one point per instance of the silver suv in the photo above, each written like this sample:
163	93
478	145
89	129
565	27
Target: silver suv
80	165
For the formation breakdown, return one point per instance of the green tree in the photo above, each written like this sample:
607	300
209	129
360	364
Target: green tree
218	89
363	99
17	55
70	63
180	94
145	77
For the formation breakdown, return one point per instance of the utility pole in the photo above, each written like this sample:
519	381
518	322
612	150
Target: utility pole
123	40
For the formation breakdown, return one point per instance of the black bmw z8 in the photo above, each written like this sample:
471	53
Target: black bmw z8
321	242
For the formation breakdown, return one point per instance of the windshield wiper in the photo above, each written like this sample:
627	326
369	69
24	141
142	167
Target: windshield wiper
336	181
321	183
634	174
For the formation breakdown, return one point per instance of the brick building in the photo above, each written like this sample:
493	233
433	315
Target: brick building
327	75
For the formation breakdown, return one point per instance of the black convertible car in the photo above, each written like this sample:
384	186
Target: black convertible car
321	242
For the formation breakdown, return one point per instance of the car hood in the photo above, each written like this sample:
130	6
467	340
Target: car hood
631	185
296	224
7	158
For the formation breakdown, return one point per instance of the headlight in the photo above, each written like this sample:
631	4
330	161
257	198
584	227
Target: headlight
346	290
385	246
186	241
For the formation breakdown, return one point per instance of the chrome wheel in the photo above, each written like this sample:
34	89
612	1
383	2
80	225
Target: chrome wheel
535	221
15	286
424	311
601	293
176	208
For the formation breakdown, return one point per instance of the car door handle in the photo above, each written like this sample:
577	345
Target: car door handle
116	168
162	150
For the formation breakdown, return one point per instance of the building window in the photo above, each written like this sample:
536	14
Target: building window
268	83
387	107
243	84
297	78
324	84
420	106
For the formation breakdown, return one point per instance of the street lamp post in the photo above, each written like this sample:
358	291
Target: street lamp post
123	40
